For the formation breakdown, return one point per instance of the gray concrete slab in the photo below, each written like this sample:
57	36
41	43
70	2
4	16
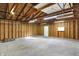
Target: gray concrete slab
40	46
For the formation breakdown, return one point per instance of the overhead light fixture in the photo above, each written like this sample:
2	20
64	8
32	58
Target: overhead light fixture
65	17
60	28
12	10
12	13
61	15
50	17
59	22
58	16
32	21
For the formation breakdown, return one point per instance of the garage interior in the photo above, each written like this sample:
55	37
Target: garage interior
39	29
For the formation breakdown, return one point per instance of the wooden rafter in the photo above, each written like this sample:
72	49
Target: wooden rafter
10	10
43	14
26	12
12	7
44	8
57	13
21	11
7	10
76	10
70	5
14	10
28	17
59	6
33	15
64	5
65	19
39	12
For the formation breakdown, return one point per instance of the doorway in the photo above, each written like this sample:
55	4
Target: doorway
46	31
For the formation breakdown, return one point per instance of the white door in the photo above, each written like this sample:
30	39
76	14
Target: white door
46	30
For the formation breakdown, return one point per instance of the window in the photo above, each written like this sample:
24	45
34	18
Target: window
60	28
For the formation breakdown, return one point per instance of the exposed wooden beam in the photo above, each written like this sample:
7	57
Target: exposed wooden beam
3	10
70	5
76	10
29	17
26	11
65	5
43	8
26	18
54	19
57	13
33	15
12	7
39	12
21	11
16	5
64	19
43	14
36	12
9	12
7	8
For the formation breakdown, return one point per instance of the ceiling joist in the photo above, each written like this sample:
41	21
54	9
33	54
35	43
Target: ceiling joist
57	13
21	11
27	12
16	5
28	9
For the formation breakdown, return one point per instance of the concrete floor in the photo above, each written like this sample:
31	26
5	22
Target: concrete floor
40	46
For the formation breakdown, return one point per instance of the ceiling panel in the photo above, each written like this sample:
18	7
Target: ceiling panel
51	9
56	7
40	5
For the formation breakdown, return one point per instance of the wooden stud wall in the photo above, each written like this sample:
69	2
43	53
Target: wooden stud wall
71	29
40	30
9	30
2	30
